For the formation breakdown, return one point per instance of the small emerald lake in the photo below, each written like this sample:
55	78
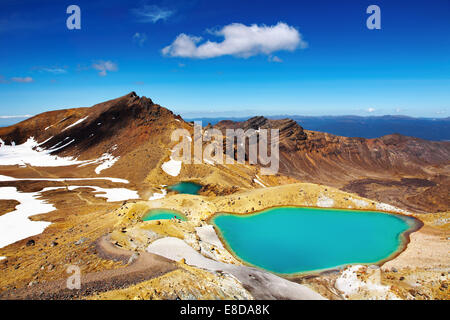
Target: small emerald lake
163	214
186	187
289	240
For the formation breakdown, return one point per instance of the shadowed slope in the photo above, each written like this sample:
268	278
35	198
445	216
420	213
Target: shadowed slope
401	168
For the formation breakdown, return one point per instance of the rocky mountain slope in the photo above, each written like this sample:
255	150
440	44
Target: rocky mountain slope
129	137
124	130
407	172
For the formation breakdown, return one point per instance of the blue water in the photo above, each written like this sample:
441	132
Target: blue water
289	240
163	214
186	187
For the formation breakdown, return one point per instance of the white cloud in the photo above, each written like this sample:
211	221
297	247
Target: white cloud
13	117
22	79
274	59
151	13
139	38
54	70
104	66
370	110
239	40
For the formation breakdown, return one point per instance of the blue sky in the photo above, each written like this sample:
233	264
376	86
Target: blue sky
322	60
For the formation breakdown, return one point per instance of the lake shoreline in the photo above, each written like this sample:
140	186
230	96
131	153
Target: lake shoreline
200	209
414	225
163	214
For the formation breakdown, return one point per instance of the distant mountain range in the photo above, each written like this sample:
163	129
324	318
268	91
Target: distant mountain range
437	129
407	172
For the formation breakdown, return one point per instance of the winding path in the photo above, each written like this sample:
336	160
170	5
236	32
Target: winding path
145	267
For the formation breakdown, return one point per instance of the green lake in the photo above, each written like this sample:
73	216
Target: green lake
163	214
289	240
186	187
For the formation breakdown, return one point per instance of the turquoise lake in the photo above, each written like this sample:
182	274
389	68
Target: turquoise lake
186	187
289	240
162	214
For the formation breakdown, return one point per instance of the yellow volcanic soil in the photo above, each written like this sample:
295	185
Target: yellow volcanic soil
422	270
7	206
426	256
186	283
81	215
198	208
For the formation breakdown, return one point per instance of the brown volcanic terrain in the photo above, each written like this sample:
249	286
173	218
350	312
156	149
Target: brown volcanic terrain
7	206
407	172
131	127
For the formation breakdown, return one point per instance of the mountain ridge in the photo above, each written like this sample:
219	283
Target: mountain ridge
354	164
433	129
134	133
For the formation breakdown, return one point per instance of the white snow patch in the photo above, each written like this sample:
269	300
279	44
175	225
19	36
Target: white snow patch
30	153
108	161
111	194
50	189
207	234
387	207
75	123
324	201
6	178
349	284
258	181
172	167
61	147
176	249
43	142
57	144
360	202
157	196
15	225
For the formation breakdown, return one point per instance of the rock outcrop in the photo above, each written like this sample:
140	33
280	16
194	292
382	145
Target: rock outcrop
373	168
